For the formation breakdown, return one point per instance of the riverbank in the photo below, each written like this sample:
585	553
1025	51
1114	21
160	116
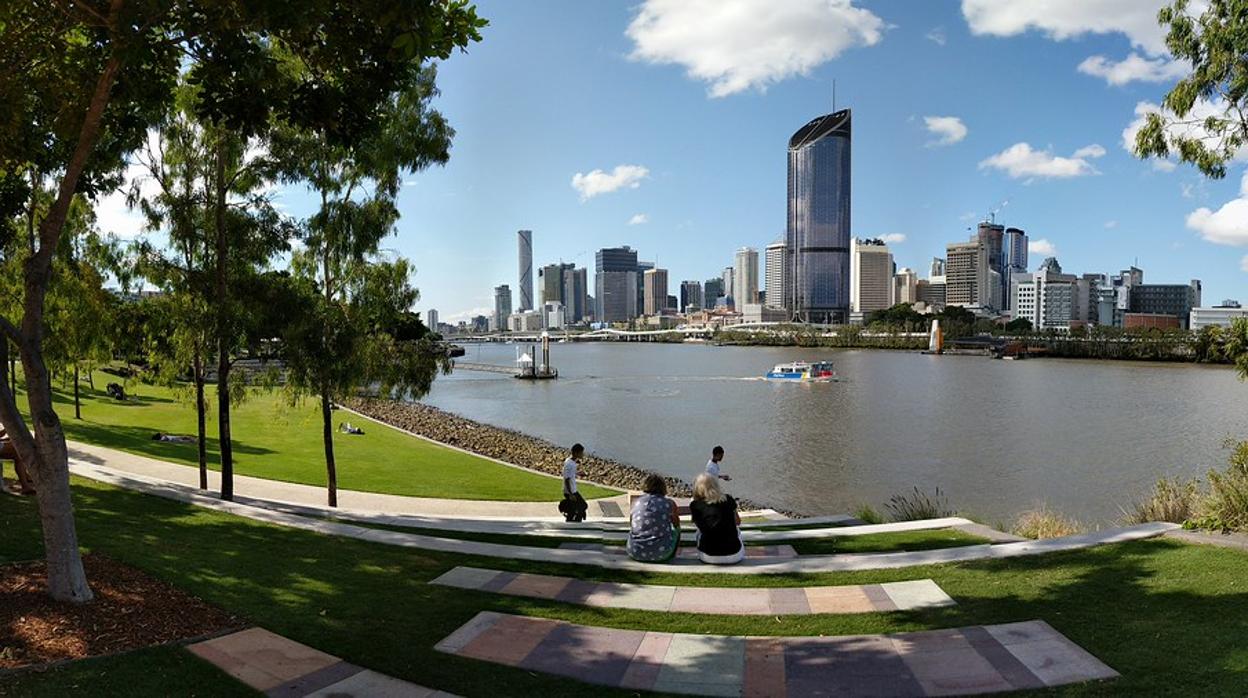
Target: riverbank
509	445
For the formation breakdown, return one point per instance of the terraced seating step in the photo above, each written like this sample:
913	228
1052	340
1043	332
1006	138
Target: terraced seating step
753	552
892	596
978	659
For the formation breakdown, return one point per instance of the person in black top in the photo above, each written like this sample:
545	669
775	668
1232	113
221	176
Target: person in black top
715	514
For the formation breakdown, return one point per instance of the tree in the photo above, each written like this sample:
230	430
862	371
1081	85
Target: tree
1207	123
1020	325
360	301
82	81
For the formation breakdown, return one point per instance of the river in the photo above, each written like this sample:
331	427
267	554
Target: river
997	437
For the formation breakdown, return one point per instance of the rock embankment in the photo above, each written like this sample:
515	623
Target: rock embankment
507	445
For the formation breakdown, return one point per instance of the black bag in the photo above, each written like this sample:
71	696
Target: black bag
573	507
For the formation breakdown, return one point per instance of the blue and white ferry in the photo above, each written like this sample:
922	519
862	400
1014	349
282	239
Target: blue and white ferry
803	372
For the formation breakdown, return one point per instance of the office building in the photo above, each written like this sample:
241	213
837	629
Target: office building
525	238
1166	299
1048	298
817	234
615	284
690	296
992	237
642	268
1219	315
745	277
966	274
431	320
730	284
712	291
938	268
550	282
1155	321
575	298
754	313
773	264
502	307
655	291
931	292
905	286
554	315
1015	251
525	321
870	276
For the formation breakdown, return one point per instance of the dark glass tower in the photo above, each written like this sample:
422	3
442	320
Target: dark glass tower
817	289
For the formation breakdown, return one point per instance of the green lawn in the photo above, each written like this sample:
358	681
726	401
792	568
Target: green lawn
274	440
1172	618
886	542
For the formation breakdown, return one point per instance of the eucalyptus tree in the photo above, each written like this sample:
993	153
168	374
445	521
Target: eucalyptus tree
83	80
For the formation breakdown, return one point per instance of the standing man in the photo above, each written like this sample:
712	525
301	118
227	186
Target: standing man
712	465
574	505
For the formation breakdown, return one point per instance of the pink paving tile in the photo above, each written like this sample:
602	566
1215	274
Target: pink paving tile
509	640
721	601
595	655
955	671
787	601
538	586
647	662
838	600
264	660
468	632
1060	661
764	669
930	641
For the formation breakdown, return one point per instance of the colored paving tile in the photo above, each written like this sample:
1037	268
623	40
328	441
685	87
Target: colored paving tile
283	668
871	598
960	661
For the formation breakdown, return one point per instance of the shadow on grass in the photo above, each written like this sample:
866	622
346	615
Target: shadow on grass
139	440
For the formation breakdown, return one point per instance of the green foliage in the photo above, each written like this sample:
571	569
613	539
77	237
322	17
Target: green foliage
902	316
1019	325
1172	500
1213	44
868	514
917	505
1235	346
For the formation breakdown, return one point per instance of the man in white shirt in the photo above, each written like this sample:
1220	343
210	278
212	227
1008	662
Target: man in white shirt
574	505
712	465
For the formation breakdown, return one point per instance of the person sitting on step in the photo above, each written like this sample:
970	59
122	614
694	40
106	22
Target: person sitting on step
719	524
654	533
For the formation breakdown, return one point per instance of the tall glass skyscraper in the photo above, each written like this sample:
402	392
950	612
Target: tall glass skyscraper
817	237
525	239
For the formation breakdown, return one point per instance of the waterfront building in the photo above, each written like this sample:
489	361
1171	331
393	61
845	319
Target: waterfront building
730	288
554	315
870	276
905	286
745	276
480	323
550	282
502	307
525	321
758	312
1219	315
655	291
774	265
525	238
966	274
712	291
431	319
690	296
817	233
931	292
1166	299
1048	298
615	284
575	298
1158	321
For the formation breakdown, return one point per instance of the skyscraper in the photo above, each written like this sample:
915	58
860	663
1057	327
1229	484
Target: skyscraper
1015	250
905	286
431	320
817	235
992	237
730	283
712	291
642	268
870	276
525	238
966	273
938	267
615	284
575	299
774	269
502	306
656	291
690	295
745	277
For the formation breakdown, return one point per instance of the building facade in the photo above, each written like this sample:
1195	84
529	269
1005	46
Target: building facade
745	276
1220	316
690	296
615	284
817	234
905	286
575	295
712	291
966	274
525	239
773	264
1166	299
729	275
431	320
870	276
502	307
655	291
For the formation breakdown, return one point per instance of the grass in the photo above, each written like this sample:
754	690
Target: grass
1168	616
1043	523
887	542
277	441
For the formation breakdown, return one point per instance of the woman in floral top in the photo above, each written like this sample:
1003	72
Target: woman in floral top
655	531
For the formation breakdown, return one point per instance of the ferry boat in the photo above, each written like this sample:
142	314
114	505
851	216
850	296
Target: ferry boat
803	372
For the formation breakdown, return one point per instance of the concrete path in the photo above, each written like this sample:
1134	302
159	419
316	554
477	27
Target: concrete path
747	601
805	564
1238	541
308	495
283	668
960	661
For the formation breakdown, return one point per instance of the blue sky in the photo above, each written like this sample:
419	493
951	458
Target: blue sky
701	96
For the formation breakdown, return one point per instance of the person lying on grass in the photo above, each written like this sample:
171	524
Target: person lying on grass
654	532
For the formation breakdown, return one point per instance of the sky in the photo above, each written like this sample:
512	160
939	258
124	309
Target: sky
663	125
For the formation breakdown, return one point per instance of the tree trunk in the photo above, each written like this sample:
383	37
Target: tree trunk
223	341
331	470
201	410
77	400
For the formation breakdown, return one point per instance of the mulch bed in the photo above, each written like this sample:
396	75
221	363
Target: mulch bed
131	610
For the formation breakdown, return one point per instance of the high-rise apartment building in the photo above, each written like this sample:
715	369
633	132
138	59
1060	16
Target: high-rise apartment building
690	296
656	291
745	278
525	238
712	291
905	286
431	320
870	276
817	234
730	284
502	307
615	284
575	295
774	265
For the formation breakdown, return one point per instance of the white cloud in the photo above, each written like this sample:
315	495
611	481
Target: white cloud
1110	225
1042	247
591	184
1186	190
1133	68
1164	165
639	219
1070	19
466	315
893	238
969	215
1226	226
949	129
1243	263
937	36
1192	128
736	45
1021	160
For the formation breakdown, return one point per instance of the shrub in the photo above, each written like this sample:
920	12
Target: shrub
1226	505
867	514
1171	500
1045	523
918	505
